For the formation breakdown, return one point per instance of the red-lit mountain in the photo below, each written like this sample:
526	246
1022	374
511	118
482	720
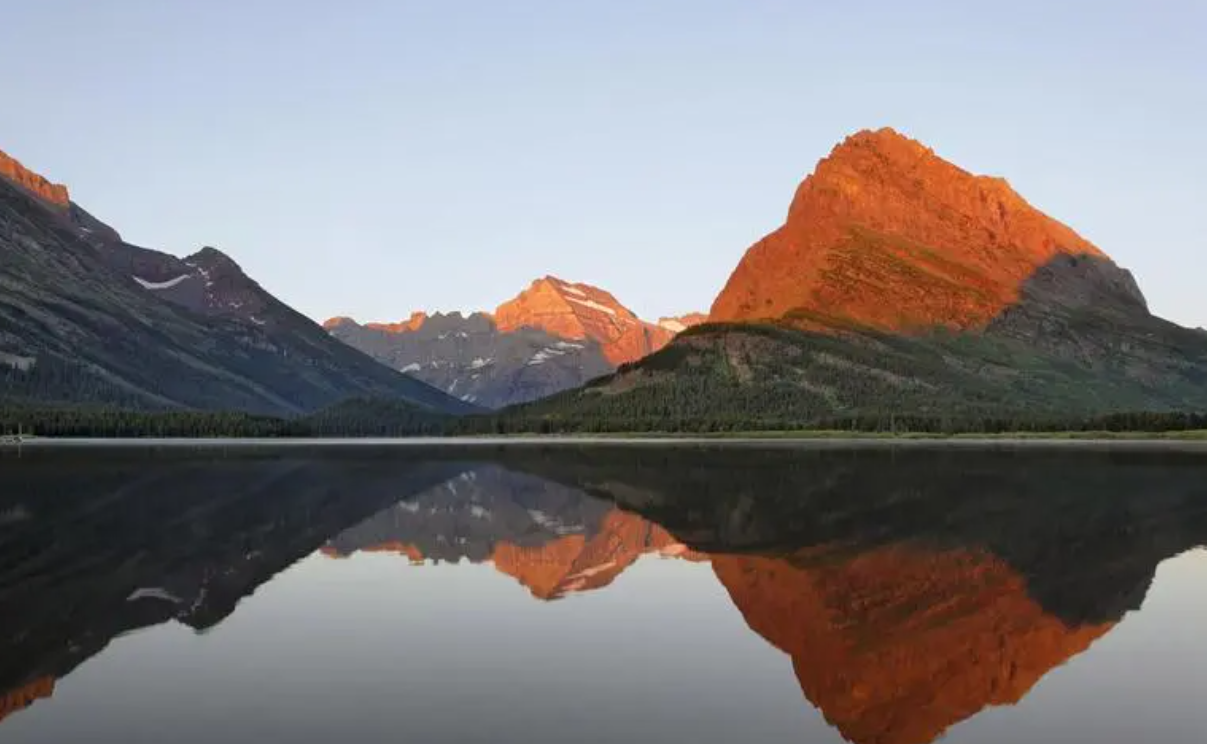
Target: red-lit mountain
580	311
901	285
887	234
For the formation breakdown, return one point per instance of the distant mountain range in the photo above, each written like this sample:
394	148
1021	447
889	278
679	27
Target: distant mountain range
87	317
553	336
899	287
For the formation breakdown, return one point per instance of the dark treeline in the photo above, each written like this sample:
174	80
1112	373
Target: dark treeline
370	418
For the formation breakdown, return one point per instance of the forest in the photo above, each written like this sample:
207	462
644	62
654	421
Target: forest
373	418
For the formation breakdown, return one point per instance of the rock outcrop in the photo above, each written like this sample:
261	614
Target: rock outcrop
413	323
888	235
22	697
51	193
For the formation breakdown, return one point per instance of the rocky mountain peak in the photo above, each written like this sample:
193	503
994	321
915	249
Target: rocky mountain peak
581	311
338	321
54	194
413	323
210	258
888	235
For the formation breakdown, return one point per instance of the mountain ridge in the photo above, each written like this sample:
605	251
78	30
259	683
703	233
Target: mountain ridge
553	336
86	317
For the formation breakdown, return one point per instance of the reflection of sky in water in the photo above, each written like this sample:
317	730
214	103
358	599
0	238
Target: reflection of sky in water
370	648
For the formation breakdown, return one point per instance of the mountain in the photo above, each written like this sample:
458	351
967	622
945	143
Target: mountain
902	284
887	235
86	317
580	311
469	357
553	336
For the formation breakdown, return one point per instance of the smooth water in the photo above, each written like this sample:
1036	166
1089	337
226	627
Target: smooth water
598	594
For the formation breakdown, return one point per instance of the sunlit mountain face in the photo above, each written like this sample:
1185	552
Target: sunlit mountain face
908	591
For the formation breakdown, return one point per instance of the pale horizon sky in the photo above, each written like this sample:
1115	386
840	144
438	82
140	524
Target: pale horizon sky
370	158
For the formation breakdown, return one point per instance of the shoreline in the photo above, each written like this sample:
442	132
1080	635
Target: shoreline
1186	441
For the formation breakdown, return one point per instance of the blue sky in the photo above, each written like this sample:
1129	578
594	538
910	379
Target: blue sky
373	157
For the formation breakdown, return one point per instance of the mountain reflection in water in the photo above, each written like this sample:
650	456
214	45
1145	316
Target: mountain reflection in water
911	590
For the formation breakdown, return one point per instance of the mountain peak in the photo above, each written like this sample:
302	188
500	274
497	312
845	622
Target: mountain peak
210	256
577	311
413	323
13	171
337	322
887	234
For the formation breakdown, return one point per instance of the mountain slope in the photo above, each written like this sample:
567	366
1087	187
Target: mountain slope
86	317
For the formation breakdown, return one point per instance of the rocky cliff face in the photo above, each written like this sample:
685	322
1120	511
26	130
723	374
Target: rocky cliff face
55	198
51	193
414	323
887	234
20	698
580	311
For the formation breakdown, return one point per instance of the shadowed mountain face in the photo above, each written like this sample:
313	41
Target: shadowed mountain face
910	588
471	359
86	317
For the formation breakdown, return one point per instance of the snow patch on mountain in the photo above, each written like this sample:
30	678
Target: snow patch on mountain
593	305
161	285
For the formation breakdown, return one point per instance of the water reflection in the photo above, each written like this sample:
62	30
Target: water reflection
910	590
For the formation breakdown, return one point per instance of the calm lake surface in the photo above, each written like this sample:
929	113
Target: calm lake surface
603	594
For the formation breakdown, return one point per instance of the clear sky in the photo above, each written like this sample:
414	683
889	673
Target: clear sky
372	157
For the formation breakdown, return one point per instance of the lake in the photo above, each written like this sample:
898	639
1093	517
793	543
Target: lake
601	593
